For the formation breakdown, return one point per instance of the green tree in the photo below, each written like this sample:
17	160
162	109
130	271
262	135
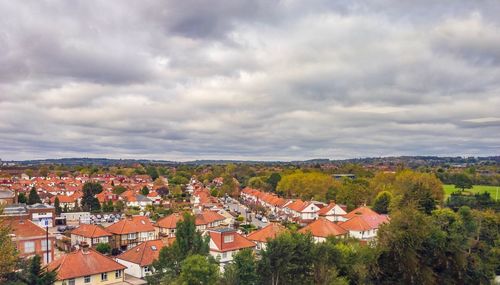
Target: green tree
8	252
118	190
103	248
152	172
354	193
188	242
57	205
462	181
145	190
35	274
273	180
92	187
33	197
198	269
243	269
21	198
311	185
382	202
89	201
424	190
288	259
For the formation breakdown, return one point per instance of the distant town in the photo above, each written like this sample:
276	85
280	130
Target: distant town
138	223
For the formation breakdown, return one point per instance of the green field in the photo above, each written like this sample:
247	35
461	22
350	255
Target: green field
448	189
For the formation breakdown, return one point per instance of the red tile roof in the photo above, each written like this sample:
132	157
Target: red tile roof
361	211
145	253
24	228
239	242
298	205
364	223
323	228
78	264
132	224
268	232
207	217
91	231
170	221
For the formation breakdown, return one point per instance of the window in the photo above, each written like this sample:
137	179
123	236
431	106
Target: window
118	274
224	255
132	236
29	246
229	238
86	279
47	257
104	276
44	245
71	281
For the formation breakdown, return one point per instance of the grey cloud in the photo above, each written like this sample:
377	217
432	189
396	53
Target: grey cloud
248	80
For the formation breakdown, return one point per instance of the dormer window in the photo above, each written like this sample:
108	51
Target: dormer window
228	238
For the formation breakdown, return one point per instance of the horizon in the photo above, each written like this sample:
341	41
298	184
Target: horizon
249	80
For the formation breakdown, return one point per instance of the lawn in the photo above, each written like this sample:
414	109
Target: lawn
448	189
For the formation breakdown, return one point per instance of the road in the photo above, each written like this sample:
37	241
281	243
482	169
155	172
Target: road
236	206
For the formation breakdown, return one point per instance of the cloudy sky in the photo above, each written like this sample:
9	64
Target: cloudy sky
241	79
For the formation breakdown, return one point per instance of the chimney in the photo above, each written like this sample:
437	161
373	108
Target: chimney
85	248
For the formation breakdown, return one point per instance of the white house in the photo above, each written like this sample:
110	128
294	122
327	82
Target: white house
333	212
225	243
139	259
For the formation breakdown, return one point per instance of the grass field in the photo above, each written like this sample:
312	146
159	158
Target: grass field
448	189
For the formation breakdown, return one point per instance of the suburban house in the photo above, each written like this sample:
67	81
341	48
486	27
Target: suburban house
139	259
333	212
302	211
225	243
133	199
166	226
30	239
323	228
40	214
261	237
7	197
87	266
90	234
203	221
208	219
130	231
363	223
65	201
154	197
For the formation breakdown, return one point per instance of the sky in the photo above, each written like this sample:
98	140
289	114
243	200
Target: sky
242	79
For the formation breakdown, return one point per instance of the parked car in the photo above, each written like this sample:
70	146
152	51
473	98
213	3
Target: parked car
264	220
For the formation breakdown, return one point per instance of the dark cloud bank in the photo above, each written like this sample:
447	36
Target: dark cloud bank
248	79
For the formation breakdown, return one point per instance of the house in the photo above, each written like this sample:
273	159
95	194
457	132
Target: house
42	215
333	212
363	223
208	219
65	201
225	243
166	226
323	228
302	211
261	237
139	259
130	231
30	239
154	197
90	234
203	221
7	197
87	266
133	199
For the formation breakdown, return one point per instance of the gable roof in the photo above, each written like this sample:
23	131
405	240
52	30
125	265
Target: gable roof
268	232
361	211
364	223
239	241
132	224
324	211
145	253
323	228
79	263
90	231
170	221
207	217
24	228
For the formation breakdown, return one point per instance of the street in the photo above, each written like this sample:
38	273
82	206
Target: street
234	205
